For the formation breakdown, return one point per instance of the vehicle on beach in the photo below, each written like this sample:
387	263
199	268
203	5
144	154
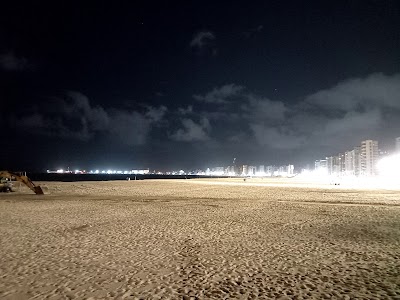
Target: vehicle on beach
5	185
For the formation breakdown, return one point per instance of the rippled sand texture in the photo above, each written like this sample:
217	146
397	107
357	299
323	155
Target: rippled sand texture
164	239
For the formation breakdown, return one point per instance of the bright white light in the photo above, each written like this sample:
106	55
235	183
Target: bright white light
60	171
319	175
97	171
216	173
389	166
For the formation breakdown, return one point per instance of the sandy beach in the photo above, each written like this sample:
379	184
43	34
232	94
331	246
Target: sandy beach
200	239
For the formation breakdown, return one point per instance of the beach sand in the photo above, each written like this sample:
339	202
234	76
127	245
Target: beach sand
200	239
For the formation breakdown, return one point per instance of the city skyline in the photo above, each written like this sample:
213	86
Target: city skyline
355	162
361	160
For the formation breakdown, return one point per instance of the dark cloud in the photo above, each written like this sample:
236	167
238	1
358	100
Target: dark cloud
336	119
192	132
276	138
75	117
131	128
185	111
10	62
230	119
202	39
376	90
156	114
204	43
259	108
78	105
339	117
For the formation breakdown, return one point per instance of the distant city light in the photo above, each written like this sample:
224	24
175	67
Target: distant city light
357	168
389	166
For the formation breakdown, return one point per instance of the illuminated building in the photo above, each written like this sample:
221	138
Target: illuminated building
329	165
334	165
349	163
230	170
269	170
342	163
290	170
357	160
251	171
321	164
369	157
352	162
244	170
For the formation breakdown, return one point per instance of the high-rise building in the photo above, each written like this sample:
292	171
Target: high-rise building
269	170
357	160
342	163
349	163
329	164
290	170
251	170
369	157
334	164
321	166
230	170
244	170
398	145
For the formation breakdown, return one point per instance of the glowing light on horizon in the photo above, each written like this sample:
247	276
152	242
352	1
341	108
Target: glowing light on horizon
389	166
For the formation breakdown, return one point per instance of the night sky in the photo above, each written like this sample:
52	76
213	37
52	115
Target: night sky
191	84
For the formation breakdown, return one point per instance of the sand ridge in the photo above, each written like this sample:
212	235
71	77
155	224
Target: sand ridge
181	239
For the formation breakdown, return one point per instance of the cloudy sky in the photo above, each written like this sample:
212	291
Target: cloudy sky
193	84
